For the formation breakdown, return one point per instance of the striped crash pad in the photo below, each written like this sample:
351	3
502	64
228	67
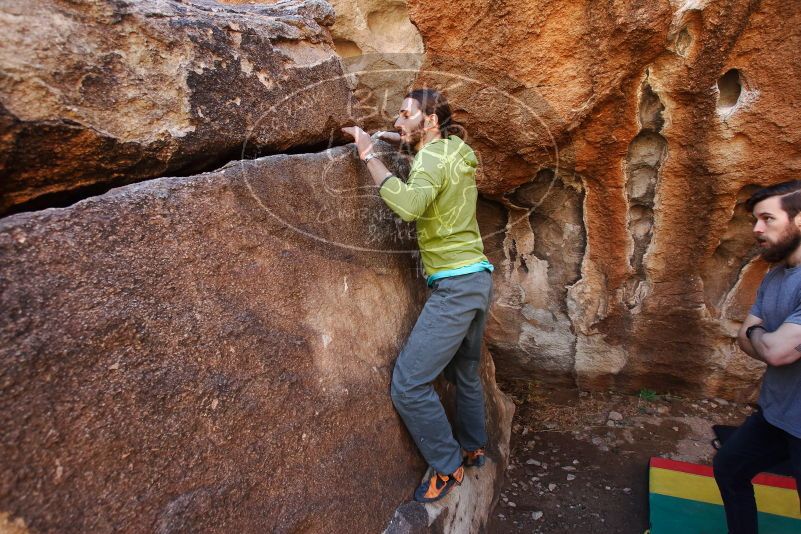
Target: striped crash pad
684	499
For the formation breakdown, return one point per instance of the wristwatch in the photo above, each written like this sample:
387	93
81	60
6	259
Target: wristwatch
750	330
369	156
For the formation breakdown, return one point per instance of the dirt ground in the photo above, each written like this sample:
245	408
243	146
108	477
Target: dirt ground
579	461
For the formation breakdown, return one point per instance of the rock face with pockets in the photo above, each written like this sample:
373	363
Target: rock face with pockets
101	93
213	354
618	142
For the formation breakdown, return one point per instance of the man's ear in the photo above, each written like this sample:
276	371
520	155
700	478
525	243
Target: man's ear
797	220
432	121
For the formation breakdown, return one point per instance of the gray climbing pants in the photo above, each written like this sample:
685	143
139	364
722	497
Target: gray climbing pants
446	338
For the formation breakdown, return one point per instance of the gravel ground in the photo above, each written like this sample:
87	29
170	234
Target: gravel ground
579	461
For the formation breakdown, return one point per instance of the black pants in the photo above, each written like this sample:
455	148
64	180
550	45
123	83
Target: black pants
754	447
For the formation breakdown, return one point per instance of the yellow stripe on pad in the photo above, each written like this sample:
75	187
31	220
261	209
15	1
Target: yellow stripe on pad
771	500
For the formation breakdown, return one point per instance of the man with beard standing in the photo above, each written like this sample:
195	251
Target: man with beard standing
771	333
440	196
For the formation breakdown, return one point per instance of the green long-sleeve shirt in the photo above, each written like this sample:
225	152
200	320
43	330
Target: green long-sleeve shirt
440	196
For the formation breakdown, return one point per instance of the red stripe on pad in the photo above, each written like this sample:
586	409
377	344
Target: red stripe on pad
763	479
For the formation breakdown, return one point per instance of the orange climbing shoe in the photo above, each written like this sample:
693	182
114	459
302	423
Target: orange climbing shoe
475	458
438	486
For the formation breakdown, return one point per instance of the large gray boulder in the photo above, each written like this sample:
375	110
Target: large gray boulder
213	354
106	92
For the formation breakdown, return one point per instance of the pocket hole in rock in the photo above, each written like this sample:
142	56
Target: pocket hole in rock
729	87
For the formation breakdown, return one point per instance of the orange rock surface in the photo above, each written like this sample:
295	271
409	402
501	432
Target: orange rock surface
656	119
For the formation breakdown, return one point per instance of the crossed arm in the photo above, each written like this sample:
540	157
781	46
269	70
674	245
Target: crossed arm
780	347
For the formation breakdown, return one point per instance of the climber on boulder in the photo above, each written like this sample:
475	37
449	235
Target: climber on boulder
440	196
771	333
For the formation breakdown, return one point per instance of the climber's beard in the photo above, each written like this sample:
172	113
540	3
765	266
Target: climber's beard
787	243
411	138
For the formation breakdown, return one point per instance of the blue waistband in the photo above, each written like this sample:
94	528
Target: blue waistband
482	265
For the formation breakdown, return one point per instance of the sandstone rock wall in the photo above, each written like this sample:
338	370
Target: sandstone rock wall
656	119
99	93
167	347
208	353
382	51
213	354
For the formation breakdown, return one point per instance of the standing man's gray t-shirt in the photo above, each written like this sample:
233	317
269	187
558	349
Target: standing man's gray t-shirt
779	301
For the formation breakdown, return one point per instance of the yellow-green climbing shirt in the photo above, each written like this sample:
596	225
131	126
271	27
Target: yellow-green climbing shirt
440	196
